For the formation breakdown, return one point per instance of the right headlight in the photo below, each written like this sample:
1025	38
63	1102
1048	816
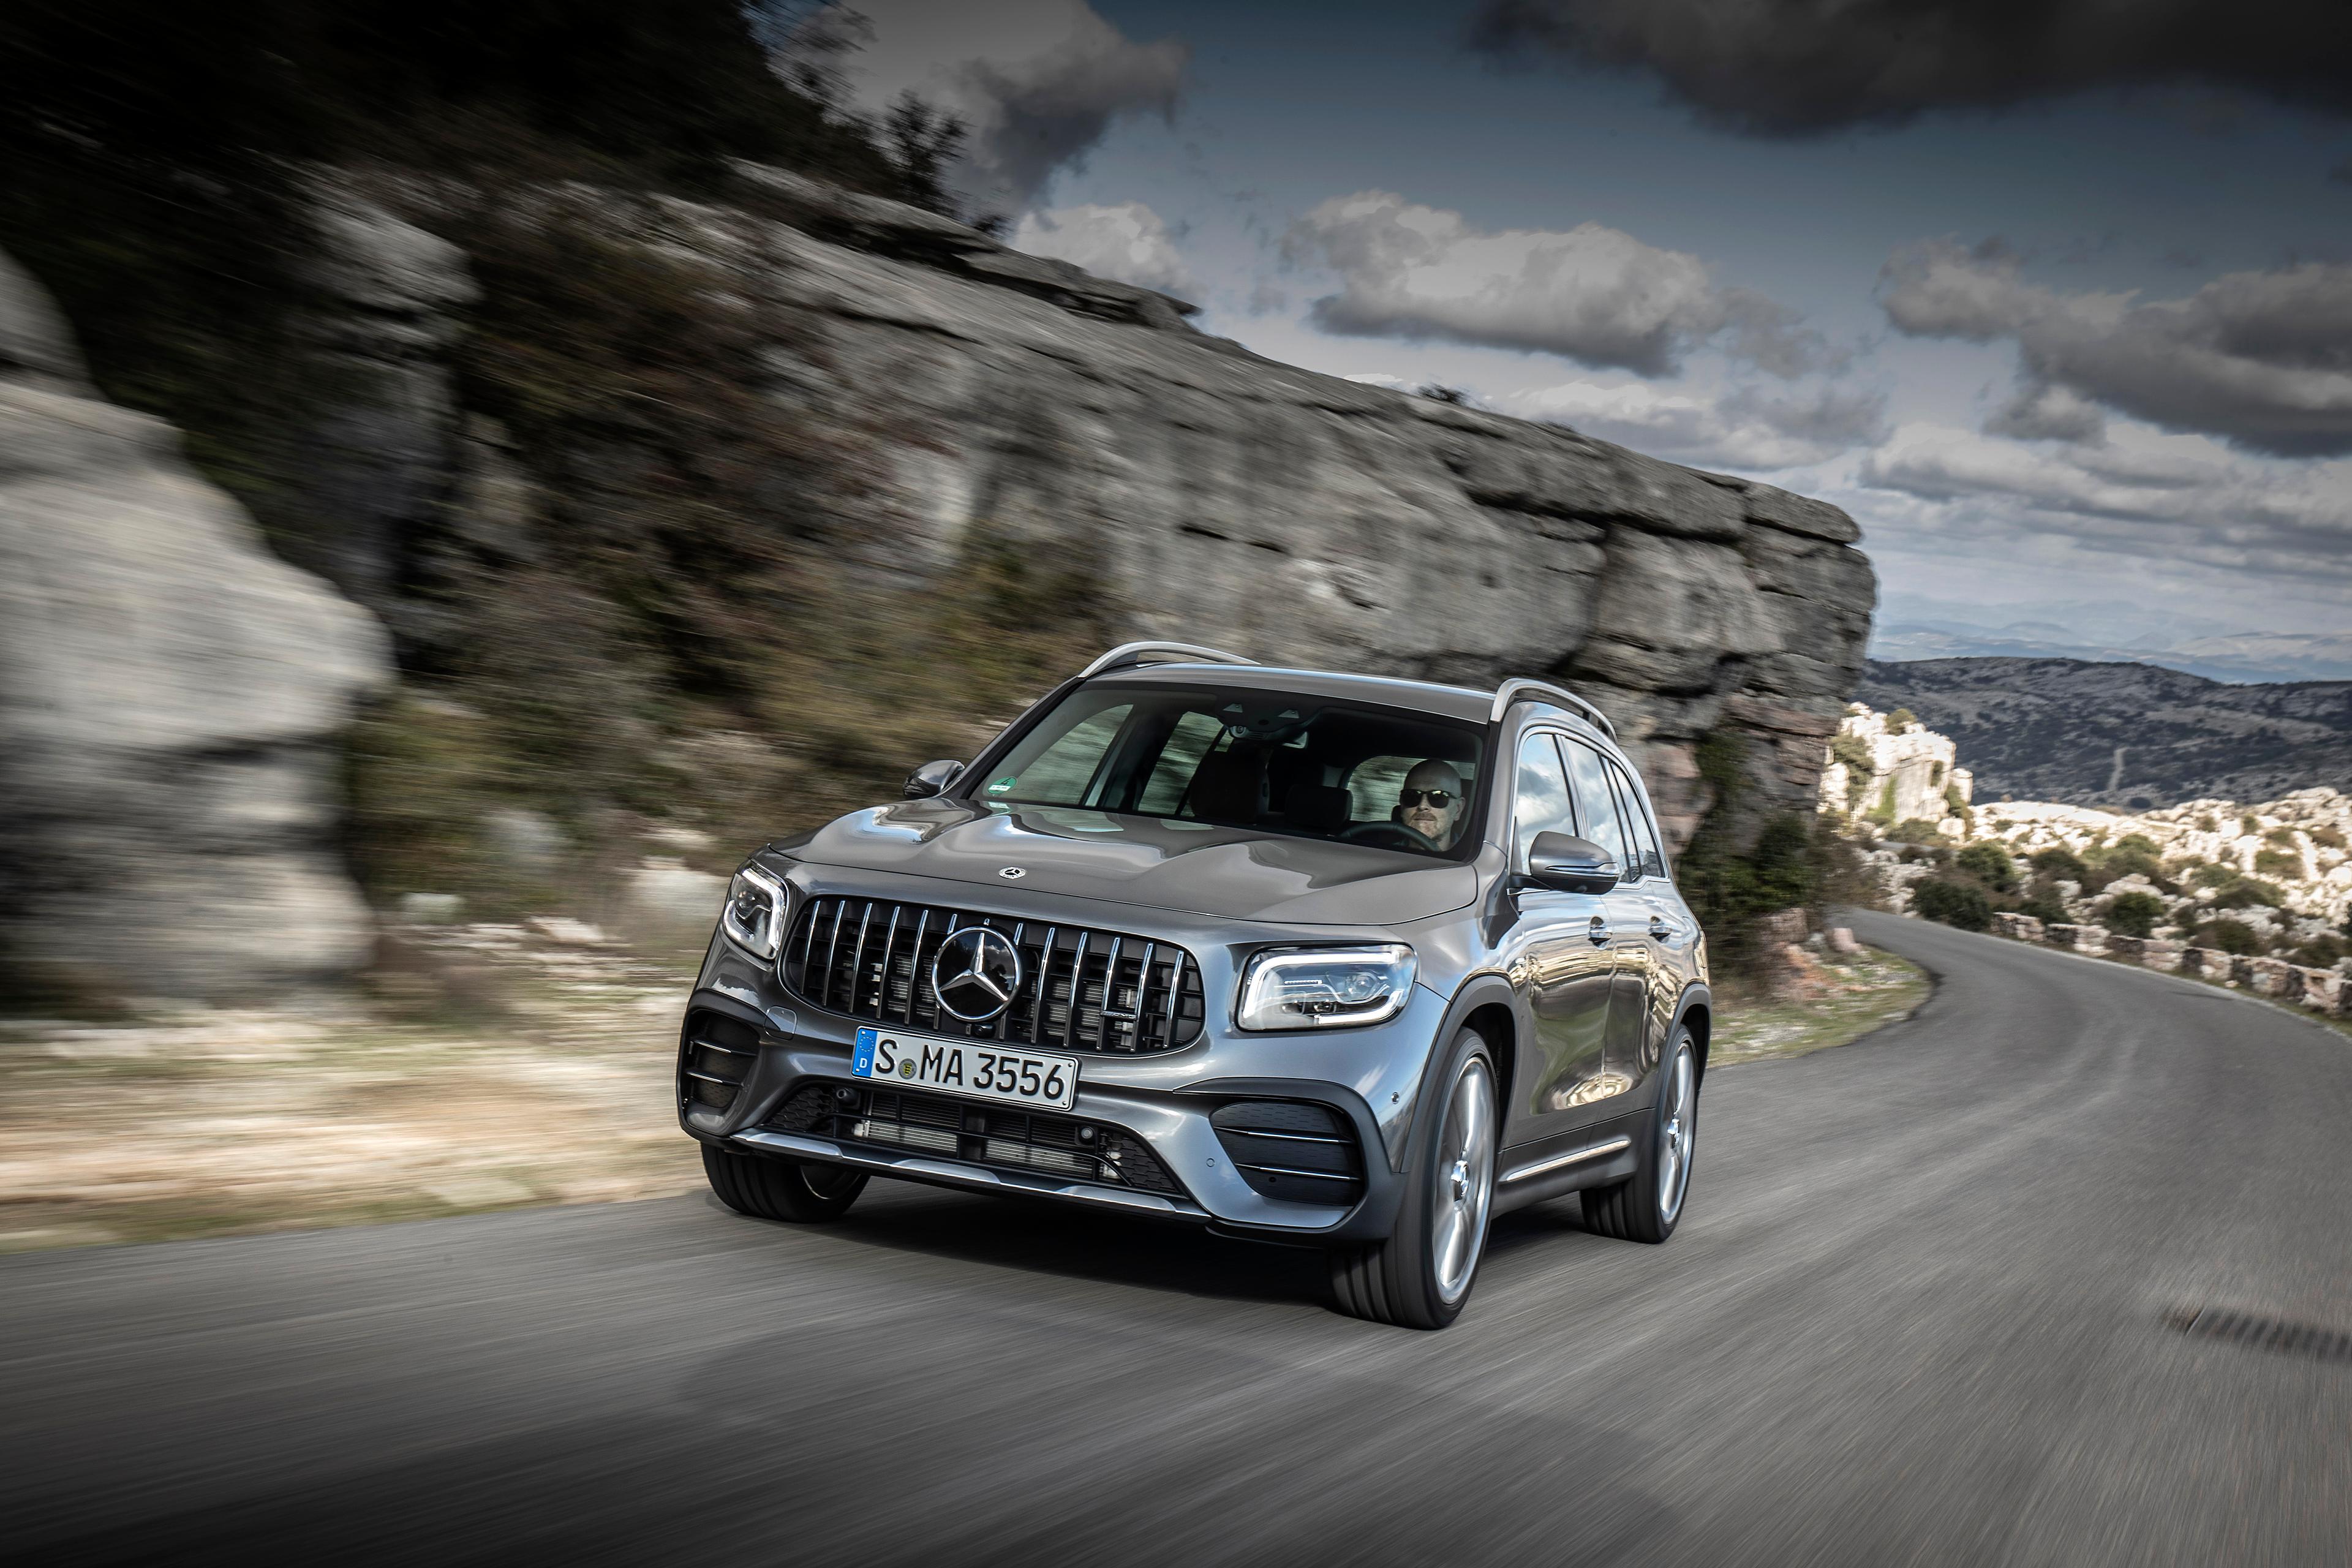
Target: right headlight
754	919
1325	987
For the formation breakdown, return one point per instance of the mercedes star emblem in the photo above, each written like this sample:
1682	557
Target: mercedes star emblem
976	974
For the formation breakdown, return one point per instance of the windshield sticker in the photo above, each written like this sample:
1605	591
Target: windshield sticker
1004	784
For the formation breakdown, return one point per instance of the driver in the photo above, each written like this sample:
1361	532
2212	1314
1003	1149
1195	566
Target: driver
1430	802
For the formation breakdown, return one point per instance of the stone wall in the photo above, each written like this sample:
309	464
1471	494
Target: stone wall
2326	991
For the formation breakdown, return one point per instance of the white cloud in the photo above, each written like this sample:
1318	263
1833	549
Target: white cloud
2142	492
2262	359
1591	293
1128	242
1739	428
1037	82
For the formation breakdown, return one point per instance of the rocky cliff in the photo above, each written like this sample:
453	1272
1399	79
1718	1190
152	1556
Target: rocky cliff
171	695
1217	496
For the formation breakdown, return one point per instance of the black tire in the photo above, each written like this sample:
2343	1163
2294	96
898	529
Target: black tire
1638	1208
1398	1280
780	1189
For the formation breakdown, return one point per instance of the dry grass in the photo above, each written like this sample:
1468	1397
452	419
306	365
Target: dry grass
205	1121
1874	988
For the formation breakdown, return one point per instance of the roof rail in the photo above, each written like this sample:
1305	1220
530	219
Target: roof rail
1512	691
1134	653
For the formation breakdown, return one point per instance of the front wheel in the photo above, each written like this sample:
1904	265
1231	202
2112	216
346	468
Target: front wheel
1645	1205
1421	1276
763	1188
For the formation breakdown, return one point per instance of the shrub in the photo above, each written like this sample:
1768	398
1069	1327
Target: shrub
2327	837
1914	830
2228	936
2246	893
2206	824
2043	906
1961	904
2061	865
1899	720
2138	841
1988	864
2208	875
2109	864
1934	774
2249	825
2279	863
1883	812
2320	953
2283	837
2135	913
1854	752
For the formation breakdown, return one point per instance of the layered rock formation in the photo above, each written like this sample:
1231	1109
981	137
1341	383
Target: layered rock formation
1896	772
1229	500
170	693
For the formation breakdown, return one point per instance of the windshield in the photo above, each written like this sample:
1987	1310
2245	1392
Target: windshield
1303	766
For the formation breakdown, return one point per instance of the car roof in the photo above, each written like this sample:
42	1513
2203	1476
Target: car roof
1428	696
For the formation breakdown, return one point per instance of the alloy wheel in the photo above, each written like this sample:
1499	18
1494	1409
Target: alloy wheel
1464	1168
1678	1134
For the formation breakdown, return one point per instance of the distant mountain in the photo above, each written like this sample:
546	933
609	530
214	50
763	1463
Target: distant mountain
2233	656
2123	734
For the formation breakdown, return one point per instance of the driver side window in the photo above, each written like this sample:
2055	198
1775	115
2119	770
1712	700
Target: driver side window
1542	804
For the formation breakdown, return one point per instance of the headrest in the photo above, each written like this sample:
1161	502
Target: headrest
1317	808
1230	786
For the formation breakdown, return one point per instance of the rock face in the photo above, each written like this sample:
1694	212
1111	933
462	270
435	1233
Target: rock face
169	696
1296	517
1895	772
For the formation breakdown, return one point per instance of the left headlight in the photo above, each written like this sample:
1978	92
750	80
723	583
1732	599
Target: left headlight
754	919
1325	987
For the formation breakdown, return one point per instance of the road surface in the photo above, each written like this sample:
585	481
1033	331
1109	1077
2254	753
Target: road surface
1917	1313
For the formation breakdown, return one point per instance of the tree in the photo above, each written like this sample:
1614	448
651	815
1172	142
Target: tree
924	141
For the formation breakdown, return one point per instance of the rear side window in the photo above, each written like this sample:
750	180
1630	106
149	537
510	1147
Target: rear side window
1596	802
1643	839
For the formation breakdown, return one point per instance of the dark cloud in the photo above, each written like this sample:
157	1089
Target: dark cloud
1591	293
1800	66
2262	359
2045	413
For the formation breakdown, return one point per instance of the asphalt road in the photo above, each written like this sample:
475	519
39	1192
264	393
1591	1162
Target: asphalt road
1916	1313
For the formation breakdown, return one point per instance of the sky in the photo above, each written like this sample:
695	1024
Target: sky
2055	299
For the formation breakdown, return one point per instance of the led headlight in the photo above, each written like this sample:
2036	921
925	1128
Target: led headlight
754	919
1325	987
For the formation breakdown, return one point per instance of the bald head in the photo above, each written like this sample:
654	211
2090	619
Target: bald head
1425	813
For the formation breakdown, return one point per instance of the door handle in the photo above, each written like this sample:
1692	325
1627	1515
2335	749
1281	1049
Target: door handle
1659	930
1598	931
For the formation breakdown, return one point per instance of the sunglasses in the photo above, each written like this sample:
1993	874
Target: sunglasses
1409	798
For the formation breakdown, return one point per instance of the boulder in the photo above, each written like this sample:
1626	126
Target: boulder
171	696
2024	928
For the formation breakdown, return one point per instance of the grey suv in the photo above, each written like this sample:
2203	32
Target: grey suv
1324	959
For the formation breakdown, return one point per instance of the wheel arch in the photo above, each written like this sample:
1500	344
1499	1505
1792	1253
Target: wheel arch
1696	1012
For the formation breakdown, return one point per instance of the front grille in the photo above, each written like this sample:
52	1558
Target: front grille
1288	1150
714	1060
982	1135
1081	989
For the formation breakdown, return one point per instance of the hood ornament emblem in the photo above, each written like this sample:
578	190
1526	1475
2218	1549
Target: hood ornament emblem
975	975
1011	873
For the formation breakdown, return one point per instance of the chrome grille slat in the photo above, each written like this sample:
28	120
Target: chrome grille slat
1102	993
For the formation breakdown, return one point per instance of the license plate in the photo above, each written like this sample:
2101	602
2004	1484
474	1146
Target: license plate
981	1070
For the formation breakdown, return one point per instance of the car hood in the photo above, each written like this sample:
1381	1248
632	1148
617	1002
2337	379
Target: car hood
1195	868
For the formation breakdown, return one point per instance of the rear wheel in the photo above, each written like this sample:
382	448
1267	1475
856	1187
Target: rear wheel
780	1189
1421	1276
1647	1203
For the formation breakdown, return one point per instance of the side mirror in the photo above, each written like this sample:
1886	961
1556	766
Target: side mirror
1567	864
932	777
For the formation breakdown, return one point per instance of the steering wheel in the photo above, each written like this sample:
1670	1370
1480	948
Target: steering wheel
1389	835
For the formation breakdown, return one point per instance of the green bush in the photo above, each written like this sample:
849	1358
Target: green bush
2249	825
1961	904
1988	864
1914	830
2061	865
1901	719
2320	953
2135	914
2209	876
2043	905
2246	893
2228	936
2207	825
2278	863
1854	752
1883	812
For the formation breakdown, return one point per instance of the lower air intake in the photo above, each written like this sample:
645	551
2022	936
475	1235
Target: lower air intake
1292	1152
